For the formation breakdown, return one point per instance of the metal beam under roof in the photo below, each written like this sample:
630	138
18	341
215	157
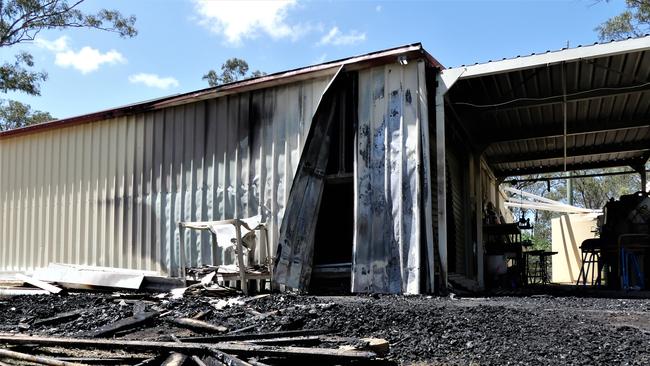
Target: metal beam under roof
636	146
520	103
502	173
555	129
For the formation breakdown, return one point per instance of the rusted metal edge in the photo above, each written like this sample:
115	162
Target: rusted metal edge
411	51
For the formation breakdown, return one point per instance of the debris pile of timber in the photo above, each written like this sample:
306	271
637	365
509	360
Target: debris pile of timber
137	328
292	347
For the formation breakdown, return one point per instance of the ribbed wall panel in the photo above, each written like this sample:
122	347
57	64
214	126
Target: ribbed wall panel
389	181
111	193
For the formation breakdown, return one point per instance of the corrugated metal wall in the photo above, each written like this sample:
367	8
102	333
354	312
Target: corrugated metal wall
388	179
111	193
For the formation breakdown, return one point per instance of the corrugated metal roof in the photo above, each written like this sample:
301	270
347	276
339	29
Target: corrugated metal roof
517	114
613	41
284	77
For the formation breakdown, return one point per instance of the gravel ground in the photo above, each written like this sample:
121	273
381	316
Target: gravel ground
538	330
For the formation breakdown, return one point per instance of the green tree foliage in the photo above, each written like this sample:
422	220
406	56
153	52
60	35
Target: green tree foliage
21	21
634	21
594	192
16	77
14	114
232	70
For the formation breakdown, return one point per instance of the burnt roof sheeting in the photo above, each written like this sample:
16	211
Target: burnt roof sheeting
516	114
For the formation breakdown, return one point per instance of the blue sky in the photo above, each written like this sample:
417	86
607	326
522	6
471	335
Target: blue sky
179	40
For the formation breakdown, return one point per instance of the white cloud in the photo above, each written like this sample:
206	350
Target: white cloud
86	60
58	45
378	8
238	20
336	38
153	80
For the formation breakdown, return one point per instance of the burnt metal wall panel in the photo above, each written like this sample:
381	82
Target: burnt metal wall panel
110	193
389	180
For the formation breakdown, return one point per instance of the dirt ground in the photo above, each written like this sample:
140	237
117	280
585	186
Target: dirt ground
537	330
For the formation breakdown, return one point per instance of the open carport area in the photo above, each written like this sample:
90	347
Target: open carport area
573	109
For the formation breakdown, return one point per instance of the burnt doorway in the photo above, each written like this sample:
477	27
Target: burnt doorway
332	266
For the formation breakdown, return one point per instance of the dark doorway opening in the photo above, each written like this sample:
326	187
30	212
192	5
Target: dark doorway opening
332	266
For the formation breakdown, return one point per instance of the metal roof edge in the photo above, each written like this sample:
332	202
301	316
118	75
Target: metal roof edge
284	77
555	57
414	50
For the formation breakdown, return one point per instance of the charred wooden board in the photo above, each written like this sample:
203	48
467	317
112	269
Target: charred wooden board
199	325
59	318
267	335
236	348
124	324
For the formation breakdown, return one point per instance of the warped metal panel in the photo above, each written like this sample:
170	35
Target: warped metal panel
111	193
293	263
388	180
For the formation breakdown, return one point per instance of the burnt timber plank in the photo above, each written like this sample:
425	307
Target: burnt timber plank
237	348
268	335
123	324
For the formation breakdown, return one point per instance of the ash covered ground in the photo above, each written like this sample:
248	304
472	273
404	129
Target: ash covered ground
421	330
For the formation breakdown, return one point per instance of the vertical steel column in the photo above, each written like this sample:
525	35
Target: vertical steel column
425	81
478	191
564	113
441	189
444	81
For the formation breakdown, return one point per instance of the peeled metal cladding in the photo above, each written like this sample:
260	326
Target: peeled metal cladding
390	184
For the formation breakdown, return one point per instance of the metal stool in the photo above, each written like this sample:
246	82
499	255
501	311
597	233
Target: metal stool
591	263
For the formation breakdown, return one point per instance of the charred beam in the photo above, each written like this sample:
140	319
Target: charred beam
199	325
268	335
236	348
41	360
123	324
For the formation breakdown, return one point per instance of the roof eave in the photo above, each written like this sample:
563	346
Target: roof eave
555	57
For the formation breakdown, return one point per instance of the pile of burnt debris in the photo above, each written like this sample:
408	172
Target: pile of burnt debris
207	323
203	324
